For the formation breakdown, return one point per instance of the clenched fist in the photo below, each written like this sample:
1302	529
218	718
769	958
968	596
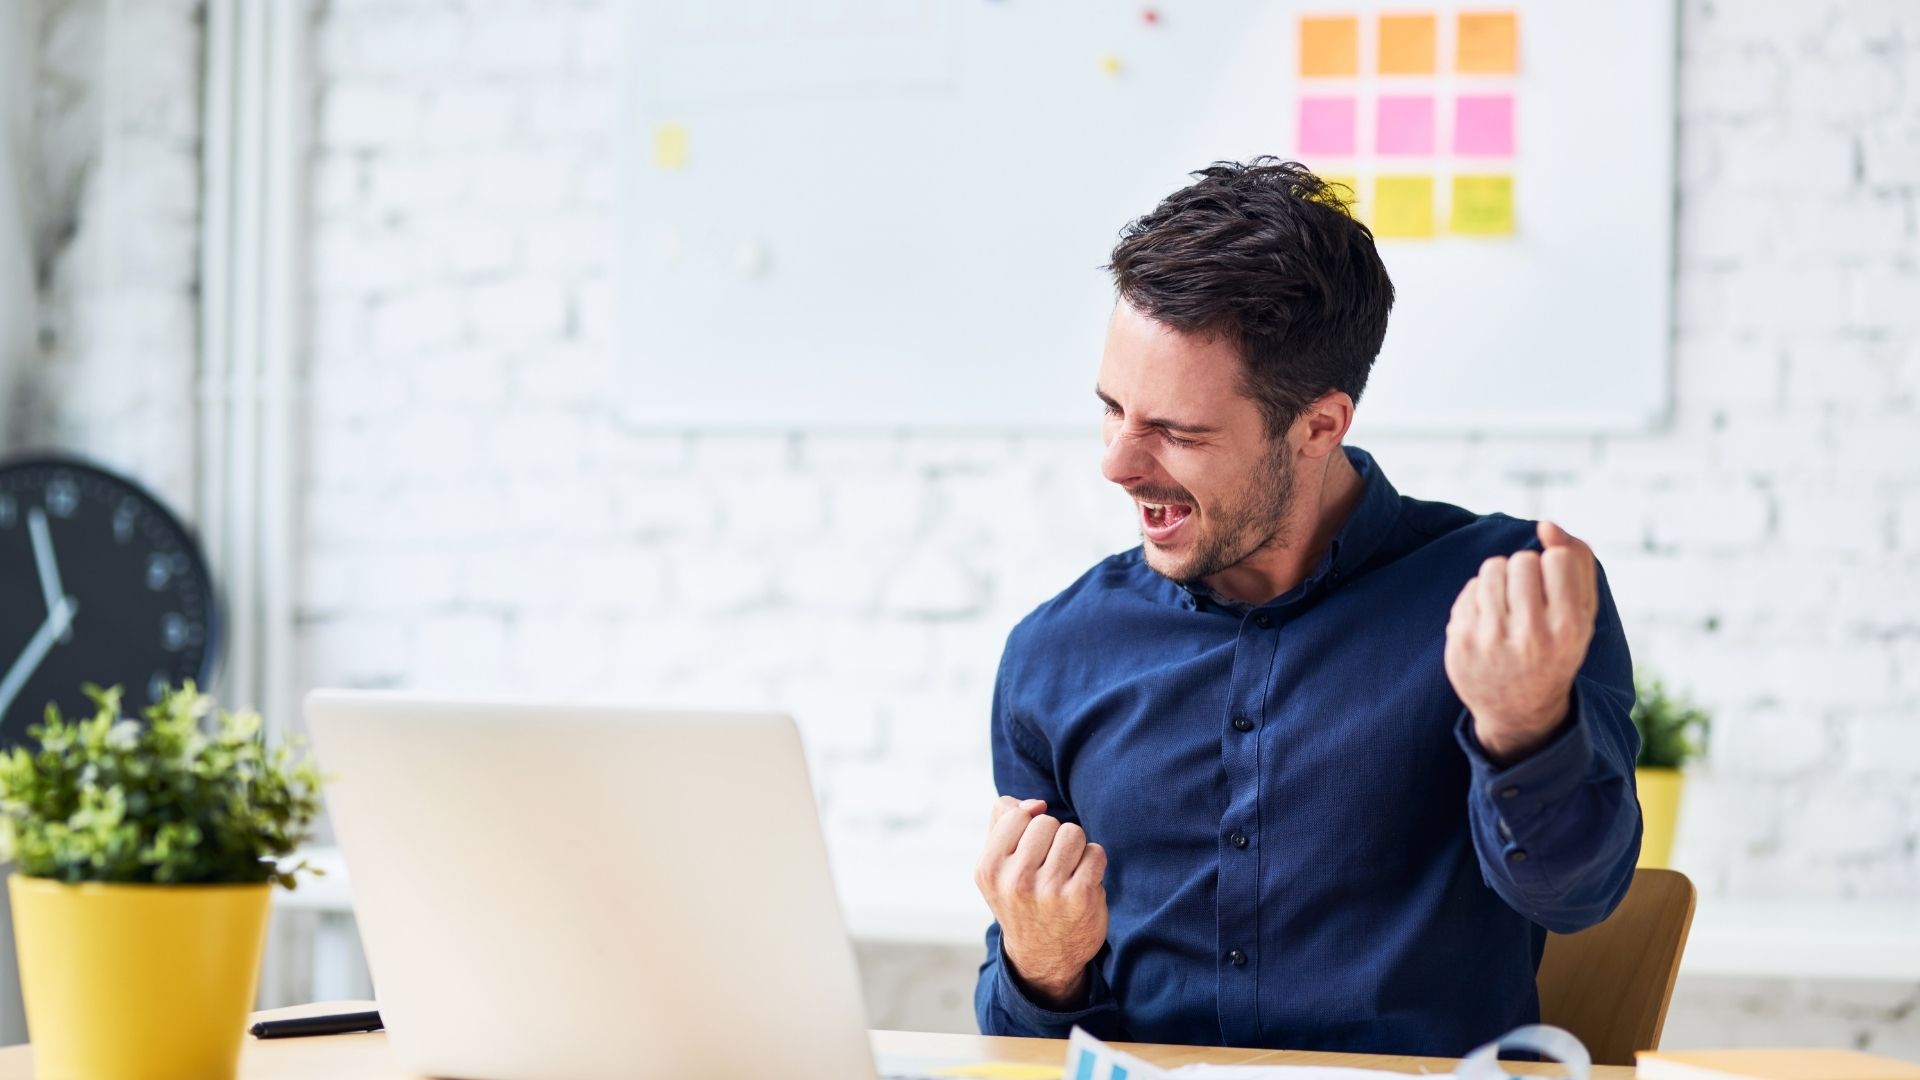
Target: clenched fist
1043	881
1518	635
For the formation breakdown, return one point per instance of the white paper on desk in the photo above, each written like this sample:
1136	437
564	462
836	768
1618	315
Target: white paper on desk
1090	1059
1277	1073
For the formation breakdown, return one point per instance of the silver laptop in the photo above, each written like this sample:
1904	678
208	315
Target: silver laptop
590	893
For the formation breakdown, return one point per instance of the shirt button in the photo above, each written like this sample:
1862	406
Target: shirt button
1508	793
1264	622
1237	958
1241	723
1238	840
1516	855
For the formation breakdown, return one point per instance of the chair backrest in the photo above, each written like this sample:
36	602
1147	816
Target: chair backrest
1610	984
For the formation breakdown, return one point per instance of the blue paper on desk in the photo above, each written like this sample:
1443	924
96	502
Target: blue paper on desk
1090	1059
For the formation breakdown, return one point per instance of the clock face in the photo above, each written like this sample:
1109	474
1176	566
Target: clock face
98	584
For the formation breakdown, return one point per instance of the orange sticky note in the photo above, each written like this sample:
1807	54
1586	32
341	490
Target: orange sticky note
1330	45
1482	206
1406	44
1403	206
1488	43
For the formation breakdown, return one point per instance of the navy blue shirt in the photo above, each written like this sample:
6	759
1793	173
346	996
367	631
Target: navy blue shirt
1307	849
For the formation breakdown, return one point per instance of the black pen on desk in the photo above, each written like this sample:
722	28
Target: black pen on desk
331	1024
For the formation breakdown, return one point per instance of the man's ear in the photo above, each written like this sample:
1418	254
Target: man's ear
1319	429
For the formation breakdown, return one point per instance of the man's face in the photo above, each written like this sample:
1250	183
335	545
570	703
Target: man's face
1192	449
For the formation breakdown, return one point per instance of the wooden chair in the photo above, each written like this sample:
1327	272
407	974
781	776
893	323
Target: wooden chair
1610	984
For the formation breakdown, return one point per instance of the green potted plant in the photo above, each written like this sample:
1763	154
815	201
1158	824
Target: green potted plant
1672	732
143	857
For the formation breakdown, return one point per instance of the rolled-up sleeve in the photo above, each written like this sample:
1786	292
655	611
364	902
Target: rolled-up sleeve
1558	832
1003	1008
1022	768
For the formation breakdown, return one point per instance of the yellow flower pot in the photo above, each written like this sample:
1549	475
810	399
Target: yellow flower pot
152	982
1659	811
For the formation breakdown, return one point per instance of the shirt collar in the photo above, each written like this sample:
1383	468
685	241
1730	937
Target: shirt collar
1359	537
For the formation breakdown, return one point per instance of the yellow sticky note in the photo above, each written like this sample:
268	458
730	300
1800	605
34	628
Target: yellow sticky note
1488	43
1403	206
1406	44
1482	206
1330	45
670	146
1347	188
1004	1070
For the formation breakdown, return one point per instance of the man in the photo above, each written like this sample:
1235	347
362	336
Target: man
1317	765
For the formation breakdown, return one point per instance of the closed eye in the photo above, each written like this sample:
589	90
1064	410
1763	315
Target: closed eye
1172	439
1163	425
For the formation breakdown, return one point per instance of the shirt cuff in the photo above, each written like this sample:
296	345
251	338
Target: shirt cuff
1549	773
1027	1015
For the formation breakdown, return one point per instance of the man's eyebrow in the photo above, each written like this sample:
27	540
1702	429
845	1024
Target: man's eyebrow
1161	423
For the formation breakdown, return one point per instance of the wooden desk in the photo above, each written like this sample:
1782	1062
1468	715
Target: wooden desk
365	1056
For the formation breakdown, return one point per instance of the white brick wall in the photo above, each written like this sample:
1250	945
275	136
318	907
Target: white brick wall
117	201
477	517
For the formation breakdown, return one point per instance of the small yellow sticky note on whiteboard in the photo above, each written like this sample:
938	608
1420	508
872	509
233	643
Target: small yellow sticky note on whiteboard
1330	45
1482	206
1488	43
670	146
1004	1070
1406	44
1402	206
1347	190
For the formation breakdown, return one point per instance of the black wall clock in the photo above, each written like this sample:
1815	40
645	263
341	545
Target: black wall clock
99	583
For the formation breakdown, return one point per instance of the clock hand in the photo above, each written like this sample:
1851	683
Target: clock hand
37	648
43	558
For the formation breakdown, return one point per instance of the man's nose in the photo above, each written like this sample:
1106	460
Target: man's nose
1125	462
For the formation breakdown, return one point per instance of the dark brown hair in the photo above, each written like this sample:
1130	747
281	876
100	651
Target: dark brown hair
1268	254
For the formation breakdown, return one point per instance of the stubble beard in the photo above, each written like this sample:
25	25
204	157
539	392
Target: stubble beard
1253	522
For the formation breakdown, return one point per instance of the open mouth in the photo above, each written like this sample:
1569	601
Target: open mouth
1160	521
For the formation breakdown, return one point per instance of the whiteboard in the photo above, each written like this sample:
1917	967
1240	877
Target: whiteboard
890	214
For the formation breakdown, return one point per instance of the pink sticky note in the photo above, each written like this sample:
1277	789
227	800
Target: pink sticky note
1483	125
1405	124
1326	125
